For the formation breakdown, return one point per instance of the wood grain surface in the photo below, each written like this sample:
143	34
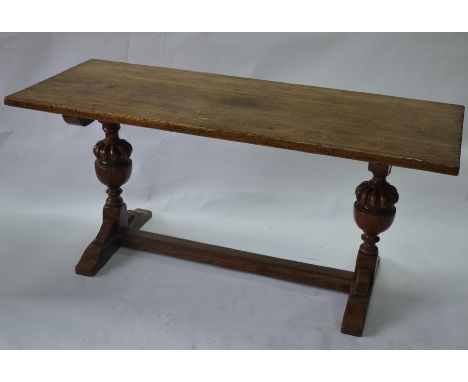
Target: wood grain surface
373	128
303	273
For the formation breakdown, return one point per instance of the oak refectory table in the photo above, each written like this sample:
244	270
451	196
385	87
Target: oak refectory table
381	130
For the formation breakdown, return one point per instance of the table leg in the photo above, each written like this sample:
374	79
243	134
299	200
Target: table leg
113	168
374	212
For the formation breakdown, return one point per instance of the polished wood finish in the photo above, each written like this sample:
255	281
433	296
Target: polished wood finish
120	228
107	242
373	128
274	267
374	212
381	130
113	168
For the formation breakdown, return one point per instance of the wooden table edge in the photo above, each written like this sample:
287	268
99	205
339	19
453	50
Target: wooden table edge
410	163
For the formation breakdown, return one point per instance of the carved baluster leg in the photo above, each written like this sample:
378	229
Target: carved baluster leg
374	212
113	168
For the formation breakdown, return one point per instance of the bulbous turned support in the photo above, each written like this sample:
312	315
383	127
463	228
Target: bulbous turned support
374	212
113	168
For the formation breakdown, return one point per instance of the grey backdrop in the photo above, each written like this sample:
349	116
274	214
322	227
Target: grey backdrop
277	202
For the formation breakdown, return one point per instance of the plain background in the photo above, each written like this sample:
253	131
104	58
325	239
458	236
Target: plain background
276	202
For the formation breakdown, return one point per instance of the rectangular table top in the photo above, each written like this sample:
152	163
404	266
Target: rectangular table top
369	127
